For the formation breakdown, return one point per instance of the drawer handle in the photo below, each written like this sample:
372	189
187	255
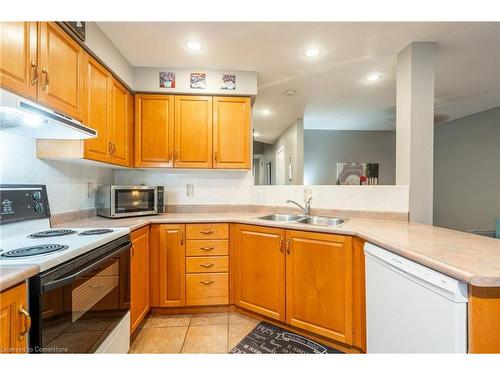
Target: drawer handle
207	282
207	265
27	322
207	248
207	231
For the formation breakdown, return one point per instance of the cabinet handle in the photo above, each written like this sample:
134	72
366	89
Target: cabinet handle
176	155
207	248
114	148
281	244
170	155
45	81
207	265
34	73
207	282
288	250
207	231
215	156
132	252
27	322
182	238
110	149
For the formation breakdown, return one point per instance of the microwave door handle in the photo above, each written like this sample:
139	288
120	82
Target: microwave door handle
67	280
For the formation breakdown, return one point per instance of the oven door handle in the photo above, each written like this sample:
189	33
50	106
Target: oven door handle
67	280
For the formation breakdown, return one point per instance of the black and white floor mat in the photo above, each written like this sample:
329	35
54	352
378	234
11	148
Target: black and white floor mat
269	339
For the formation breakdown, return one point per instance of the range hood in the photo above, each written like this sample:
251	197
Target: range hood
22	116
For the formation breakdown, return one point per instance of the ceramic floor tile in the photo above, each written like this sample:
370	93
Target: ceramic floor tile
238	331
206	339
157	321
236	318
209	319
159	340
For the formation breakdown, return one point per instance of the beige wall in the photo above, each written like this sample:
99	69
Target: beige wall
467	172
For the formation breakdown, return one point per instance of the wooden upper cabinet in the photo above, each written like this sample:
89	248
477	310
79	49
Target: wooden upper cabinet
61	71
98	111
193	132
18	57
121	124
154	130
14	320
231	132
139	277
259	264
168	265
319	292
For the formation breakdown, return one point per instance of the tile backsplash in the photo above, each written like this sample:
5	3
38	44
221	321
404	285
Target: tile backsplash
67	183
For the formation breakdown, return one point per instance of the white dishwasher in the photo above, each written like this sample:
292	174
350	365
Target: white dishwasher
411	308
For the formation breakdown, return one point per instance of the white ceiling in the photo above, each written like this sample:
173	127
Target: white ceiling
331	91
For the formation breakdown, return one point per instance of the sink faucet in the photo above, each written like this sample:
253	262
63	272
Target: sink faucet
306	209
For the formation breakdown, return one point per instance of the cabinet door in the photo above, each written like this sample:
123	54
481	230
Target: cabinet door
231	132
139	277
168	265
14	320
61	64
193	132
154	130
259	263
18	60
120	131
319	284
98	111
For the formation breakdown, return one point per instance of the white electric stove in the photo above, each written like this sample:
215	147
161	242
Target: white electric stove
80	300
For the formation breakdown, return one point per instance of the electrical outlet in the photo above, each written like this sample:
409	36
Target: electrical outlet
190	190
90	190
307	194
258	195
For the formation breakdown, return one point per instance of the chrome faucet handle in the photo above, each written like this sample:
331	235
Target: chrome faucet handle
307	206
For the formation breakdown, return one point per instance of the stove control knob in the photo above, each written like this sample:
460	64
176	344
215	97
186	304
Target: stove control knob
38	208
37	195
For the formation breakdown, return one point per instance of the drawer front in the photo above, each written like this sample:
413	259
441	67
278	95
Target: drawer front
207	289
209	231
207	264
206	247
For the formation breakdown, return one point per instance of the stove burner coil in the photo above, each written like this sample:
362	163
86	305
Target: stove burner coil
52	233
92	232
33	250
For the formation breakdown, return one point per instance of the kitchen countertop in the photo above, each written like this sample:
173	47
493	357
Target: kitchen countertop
13	275
467	257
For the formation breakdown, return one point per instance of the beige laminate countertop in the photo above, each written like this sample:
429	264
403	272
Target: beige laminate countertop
467	257
13	275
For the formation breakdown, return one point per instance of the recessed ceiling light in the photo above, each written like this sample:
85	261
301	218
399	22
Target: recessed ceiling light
193	45
372	77
266	112
312	52
290	92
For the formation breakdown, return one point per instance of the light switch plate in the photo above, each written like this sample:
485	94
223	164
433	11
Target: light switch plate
90	190
190	190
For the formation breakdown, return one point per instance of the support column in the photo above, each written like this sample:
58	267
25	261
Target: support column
415	127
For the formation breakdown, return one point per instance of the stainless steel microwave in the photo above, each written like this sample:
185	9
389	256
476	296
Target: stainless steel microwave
122	201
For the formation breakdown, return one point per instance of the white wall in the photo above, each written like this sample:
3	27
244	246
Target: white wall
467	172
100	44
236	187
66	182
147	79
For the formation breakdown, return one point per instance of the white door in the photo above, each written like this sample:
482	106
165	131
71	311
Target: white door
280	166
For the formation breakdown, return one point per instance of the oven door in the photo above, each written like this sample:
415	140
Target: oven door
79	307
133	200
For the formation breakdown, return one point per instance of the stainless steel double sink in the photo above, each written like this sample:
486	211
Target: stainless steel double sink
311	220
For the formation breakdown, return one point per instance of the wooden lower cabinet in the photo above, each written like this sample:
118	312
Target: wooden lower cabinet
259	262
319	284
167	265
484	321
14	319
139	277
